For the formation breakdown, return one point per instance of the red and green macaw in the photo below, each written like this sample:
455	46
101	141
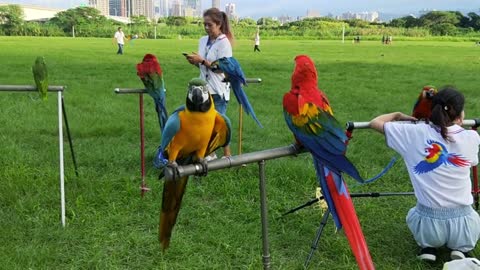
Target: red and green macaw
150	73
40	75
191	133
423	107
309	116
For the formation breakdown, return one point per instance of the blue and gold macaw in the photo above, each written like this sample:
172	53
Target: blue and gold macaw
151	74
234	74
309	116
191	133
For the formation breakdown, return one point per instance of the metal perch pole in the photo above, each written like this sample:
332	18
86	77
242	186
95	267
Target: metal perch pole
236	161
59	90
240	116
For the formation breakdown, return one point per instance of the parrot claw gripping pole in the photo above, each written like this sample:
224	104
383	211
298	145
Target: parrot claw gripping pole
204	165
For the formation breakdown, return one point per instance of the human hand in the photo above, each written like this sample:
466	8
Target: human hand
194	58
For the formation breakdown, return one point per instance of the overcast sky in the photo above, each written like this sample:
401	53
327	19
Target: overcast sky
259	8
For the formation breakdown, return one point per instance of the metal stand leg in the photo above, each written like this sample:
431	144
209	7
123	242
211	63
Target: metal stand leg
60	144
240	128
317	237
69	137
143	187
264	215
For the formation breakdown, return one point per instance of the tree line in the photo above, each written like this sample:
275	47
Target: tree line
88	22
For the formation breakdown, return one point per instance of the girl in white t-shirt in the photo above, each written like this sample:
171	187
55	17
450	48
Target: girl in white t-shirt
438	157
215	45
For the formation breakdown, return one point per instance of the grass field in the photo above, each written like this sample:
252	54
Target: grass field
109	226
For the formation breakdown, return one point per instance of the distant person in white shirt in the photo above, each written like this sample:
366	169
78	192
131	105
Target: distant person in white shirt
257	41
120	38
438	157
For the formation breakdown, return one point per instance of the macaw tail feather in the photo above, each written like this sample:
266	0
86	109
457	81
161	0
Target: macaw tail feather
243	101
161	111
171	201
341	206
383	172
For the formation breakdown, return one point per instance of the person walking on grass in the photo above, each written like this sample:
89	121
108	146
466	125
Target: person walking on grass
119	37
438	157
257	41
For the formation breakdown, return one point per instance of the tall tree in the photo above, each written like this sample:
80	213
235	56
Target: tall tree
11	17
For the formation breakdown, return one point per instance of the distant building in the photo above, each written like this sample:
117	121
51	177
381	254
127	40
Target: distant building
142	7
102	5
118	8
192	8
312	14
216	4
177	8
164	8
230	11
366	16
35	13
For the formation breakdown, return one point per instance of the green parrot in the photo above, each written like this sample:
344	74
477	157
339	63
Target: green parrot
40	75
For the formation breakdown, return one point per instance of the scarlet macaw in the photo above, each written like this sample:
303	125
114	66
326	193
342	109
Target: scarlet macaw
40	75
150	73
234	74
309	116
423	107
191	133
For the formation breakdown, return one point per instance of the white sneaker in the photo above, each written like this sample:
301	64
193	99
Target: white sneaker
211	157
457	255
463	264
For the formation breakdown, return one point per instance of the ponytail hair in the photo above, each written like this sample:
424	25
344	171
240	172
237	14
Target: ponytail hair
447	105
220	18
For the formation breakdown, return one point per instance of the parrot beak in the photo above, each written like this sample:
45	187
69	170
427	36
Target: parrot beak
197	97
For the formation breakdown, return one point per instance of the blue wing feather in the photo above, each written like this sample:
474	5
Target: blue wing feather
172	126
236	77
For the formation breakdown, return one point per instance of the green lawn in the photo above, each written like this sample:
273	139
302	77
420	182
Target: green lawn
109	226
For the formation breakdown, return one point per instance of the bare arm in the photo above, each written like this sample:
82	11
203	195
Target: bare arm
378	122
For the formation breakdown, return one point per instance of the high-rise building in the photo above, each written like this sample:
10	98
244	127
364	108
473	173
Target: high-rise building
164	8
177	8
141	7
312	13
118	8
192	8
216	4
230	10
101	5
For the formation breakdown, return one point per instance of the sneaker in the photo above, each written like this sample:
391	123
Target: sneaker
211	157
458	255
428	254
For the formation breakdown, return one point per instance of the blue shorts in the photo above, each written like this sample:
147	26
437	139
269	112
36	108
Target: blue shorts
456	228
220	104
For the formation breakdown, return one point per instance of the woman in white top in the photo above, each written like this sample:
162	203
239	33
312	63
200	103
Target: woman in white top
215	45
257	41
438	157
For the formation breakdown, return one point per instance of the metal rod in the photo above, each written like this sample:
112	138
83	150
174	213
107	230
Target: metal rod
264	215
143	187
60	145
29	88
364	125
69	136
143	90
475	176
240	128
353	195
234	161
314	246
